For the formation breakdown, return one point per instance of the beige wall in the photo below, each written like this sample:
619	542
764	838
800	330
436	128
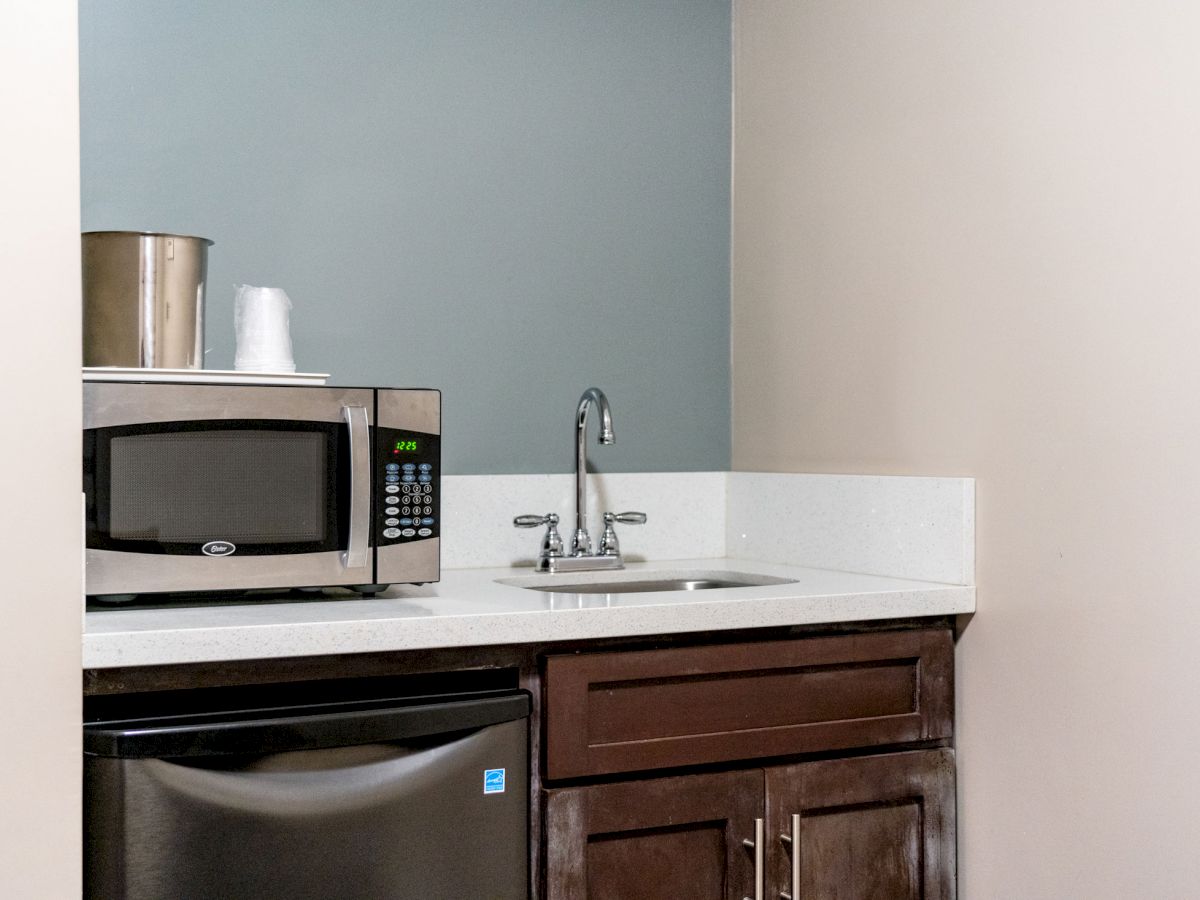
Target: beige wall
967	242
39	459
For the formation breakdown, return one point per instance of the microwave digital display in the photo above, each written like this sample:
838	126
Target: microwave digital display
406	447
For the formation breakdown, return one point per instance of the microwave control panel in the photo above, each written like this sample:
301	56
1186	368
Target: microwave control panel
407	495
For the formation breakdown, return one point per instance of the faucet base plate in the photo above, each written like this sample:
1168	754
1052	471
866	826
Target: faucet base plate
553	564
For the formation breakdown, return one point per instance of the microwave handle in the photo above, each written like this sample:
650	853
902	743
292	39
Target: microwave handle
355	554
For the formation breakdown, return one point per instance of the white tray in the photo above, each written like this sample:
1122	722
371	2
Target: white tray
202	376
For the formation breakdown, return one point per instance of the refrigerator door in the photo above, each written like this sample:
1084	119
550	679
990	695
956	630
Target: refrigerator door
435	815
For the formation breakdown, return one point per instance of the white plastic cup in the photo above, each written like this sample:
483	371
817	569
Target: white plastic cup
262	328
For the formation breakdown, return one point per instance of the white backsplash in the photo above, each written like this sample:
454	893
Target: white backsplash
905	527
685	515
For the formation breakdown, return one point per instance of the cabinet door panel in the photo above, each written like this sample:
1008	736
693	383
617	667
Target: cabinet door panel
678	837
871	828
639	710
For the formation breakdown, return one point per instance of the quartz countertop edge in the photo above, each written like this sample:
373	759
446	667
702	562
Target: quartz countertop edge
469	607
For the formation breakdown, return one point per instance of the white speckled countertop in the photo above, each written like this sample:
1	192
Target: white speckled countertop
910	539
468	607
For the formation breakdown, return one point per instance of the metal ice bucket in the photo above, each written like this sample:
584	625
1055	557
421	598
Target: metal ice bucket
143	299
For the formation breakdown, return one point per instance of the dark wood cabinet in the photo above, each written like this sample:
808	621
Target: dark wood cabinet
863	828
671	837
847	826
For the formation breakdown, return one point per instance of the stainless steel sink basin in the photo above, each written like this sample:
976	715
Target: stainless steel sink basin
645	584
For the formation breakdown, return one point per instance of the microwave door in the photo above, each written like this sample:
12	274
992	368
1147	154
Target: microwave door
217	487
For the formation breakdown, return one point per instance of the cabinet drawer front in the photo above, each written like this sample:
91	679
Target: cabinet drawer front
648	709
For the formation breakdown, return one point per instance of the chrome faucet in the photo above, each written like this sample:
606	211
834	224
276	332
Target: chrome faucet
581	543
581	557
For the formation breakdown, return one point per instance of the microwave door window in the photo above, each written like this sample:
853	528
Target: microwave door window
263	490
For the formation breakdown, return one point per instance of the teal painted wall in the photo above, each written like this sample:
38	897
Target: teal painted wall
511	200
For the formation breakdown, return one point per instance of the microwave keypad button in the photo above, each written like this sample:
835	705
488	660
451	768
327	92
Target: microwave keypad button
409	501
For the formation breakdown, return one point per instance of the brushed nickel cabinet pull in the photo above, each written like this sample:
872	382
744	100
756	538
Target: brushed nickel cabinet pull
757	846
792	842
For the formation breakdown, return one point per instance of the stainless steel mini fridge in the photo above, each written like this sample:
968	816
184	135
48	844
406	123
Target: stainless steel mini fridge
414	797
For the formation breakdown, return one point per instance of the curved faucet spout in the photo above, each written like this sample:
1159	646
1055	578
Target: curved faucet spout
594	396
581	545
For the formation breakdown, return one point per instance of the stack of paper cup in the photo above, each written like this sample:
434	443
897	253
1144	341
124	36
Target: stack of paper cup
260	319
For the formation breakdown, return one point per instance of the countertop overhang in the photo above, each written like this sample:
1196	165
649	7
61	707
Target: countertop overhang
468	607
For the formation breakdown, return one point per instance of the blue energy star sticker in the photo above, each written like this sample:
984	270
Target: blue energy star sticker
493	781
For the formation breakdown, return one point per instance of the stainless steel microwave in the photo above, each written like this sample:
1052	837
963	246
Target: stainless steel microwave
220	487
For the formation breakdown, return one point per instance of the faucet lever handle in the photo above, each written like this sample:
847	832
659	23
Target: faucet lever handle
551	541
535	521
609	545
626	518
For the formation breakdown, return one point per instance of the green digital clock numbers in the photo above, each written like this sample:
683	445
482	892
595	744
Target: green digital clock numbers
406	447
